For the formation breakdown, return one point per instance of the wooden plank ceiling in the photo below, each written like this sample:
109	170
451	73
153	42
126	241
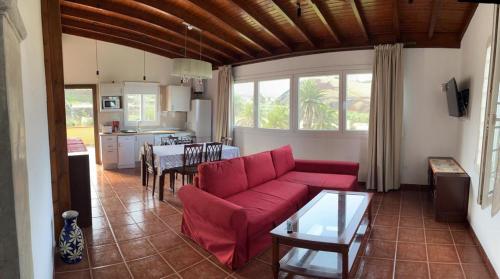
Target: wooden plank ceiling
244	31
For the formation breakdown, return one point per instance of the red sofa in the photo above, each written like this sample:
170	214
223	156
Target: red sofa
236	202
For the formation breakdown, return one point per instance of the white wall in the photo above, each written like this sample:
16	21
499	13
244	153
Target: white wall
116	63
425	110
473	51
37	141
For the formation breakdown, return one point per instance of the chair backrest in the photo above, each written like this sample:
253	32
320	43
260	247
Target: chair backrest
149	157
193	155
170	140
213	151
226	140
186	140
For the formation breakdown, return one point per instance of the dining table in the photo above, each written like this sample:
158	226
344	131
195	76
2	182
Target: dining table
168	157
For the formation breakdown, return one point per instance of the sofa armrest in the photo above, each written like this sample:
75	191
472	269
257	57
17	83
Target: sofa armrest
323	166
212	209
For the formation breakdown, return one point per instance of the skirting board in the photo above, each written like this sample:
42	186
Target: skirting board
404	187
485	258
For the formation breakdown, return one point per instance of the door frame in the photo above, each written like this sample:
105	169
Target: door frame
93	87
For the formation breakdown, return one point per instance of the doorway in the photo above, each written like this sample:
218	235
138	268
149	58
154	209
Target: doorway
82	117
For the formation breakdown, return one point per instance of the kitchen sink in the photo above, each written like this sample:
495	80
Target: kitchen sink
128	131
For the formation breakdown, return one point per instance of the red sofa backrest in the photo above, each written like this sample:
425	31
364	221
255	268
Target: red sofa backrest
283	160
223	178
259	168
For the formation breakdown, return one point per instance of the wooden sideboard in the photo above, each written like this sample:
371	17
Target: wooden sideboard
450	184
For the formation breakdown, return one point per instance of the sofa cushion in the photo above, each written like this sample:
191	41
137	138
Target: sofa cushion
259	168
321	181
292	192
283	160
263	211
223	178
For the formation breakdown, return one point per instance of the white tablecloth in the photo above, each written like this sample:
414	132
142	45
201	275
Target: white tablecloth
170	156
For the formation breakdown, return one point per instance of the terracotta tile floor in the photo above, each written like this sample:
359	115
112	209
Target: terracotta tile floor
136	236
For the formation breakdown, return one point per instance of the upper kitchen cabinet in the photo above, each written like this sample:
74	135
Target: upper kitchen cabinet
175	98
111	89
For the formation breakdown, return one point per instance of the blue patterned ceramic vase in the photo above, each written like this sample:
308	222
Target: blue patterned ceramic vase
71	242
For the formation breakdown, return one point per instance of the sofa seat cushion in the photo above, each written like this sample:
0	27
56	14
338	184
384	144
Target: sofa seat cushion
293	192
223	178
283	160
321	181
259	168
263	211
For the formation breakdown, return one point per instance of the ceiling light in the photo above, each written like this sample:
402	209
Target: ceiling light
187	68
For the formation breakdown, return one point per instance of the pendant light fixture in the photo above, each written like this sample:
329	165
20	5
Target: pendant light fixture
96	61
144	65
187	68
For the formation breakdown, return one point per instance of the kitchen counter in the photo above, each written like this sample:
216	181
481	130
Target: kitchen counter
153	132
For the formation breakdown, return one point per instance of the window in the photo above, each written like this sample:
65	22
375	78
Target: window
358	93
141	104
318	106
243	104
274	104
484	95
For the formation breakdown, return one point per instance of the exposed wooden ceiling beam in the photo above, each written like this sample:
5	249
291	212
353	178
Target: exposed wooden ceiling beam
157	17
119	20
216	14
468	18
114	39
86	24
186	16
436	9
281	9
359	18
260	17
395	19
321	11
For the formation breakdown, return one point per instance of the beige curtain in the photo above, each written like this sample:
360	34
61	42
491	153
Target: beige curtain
225	85
386	108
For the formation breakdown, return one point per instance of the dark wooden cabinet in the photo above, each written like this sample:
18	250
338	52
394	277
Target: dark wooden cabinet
79	181
450	185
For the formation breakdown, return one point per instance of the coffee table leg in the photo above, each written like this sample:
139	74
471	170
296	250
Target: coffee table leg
276	255
345	265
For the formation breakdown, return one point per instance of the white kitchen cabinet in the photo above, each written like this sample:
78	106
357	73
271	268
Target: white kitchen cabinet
126	152
141	139
175	98
109	151
111	89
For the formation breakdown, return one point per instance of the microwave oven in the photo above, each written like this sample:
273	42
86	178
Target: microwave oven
111	102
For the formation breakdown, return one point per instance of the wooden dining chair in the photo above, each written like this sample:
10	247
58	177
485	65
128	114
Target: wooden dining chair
213	151
193	156
187	140
150	165
226	141
170	140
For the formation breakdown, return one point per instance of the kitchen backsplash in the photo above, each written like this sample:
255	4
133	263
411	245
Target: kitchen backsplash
168	119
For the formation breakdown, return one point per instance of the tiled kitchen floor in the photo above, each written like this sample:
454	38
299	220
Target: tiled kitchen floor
136	236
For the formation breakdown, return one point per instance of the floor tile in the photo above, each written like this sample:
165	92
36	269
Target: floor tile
380	249
411	235
438	236
181	257
205	270
117	271
411	222
99	222
386	220
141	216
104	255
448	271
152	227
411	251
255	269
81	274
60	266
120	220
469	254
384	233
136	248
476	271
430	223
463	237
96	237
370	268
150	267
128	232
442	253
414	270
173	221
166	240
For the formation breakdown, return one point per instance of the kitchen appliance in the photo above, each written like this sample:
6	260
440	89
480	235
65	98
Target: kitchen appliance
111	102
199	119
107	129
116	126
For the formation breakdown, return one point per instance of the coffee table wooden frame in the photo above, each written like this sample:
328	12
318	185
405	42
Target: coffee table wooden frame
361	221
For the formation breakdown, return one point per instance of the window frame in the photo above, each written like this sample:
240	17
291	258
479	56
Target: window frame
233	122
141	122
344	104
256	103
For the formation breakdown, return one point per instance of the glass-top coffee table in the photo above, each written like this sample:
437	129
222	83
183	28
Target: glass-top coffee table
327	234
